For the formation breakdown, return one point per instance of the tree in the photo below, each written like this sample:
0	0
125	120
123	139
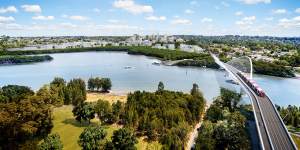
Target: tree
160	86
92	138
76	92
15	93
124	139
230	99
205	139
58	86
24	121
195	91
106	84
50	96
117	110
84	111
3	42
98	83
104	111
91	84
52	142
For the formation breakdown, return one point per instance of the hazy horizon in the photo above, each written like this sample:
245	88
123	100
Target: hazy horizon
30	18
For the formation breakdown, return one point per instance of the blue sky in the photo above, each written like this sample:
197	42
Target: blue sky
127	17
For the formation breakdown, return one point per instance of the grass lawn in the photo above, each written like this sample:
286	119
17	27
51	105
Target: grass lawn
296	140
69	130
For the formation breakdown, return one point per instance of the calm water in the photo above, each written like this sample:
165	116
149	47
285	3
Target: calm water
142	76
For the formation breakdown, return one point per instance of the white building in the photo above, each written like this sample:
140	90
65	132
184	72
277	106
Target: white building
170	46
191	48
159	46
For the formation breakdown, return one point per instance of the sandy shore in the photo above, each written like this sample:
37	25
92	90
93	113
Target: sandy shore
111	97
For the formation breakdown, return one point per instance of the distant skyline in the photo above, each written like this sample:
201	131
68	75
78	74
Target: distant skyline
127	17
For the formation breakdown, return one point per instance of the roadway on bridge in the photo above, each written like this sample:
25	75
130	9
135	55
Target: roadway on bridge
272	130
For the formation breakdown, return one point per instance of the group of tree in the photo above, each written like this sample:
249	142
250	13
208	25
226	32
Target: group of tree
290	115
3	42
224	126
99	84
272	69
107	113
164	115
25	117
51	142
59	92
93	138
10	60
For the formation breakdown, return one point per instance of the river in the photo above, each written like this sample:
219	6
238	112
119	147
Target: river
140	74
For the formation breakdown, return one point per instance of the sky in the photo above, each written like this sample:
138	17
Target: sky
146	17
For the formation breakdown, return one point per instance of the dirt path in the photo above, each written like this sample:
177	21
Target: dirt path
193	135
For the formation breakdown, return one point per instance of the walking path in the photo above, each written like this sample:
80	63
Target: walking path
193	135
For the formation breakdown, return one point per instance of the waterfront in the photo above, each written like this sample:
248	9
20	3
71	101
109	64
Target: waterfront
135	72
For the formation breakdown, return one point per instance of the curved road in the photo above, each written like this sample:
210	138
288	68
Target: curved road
272	131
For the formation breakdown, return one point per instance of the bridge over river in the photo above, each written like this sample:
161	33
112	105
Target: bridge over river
272	132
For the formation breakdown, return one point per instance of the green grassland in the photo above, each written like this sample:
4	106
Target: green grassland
69	130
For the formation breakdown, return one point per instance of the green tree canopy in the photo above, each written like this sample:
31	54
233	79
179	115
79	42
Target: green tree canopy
124	139
15	93
106	84
84	111
76	92
92	138
51	142
161	86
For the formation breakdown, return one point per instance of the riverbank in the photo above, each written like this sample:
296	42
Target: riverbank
17	59
186	58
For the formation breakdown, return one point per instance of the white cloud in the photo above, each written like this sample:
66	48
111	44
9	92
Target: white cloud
193	2
78	18
239	13
188	11
64	16
13	26
113	21
246	21
4	19
9	9
68	25
40	17
250	2
206	20
96	10
116	27
132	7
279	11
297	10
32	8
287	23
182	21
269	19
156	18
225	4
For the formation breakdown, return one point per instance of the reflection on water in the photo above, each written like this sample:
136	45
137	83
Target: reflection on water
140	74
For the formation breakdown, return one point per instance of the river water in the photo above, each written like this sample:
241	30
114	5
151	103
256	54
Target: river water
132	72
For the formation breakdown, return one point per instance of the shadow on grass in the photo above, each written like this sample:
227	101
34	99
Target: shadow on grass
78	124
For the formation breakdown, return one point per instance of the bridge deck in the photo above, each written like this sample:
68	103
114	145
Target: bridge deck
272	130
